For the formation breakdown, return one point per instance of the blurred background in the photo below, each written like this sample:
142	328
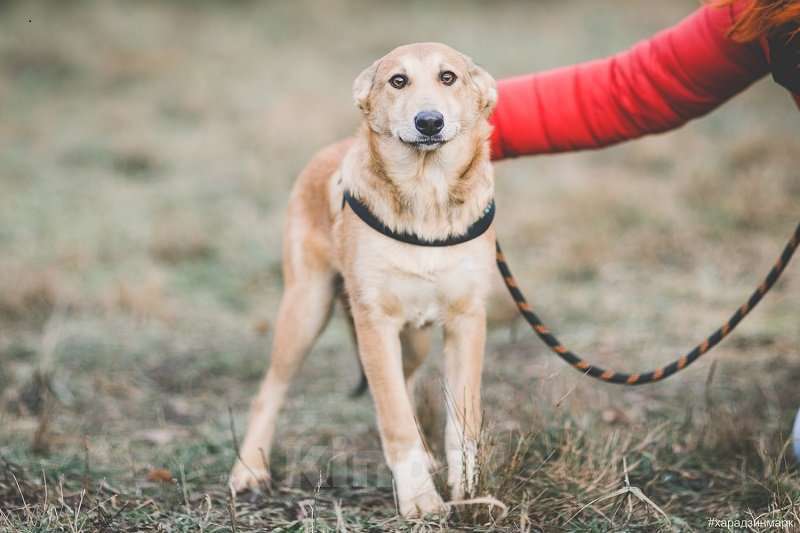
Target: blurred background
147	150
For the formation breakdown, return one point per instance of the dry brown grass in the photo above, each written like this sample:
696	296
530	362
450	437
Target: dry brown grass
27	294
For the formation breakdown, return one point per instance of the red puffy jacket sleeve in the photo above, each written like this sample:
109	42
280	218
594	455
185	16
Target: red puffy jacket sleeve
661	83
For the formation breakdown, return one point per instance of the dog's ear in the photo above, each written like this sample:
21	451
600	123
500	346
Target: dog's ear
485	85
362	86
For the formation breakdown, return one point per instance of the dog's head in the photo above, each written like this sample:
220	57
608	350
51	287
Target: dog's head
424	94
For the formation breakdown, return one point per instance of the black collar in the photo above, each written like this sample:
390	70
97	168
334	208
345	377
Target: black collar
475	230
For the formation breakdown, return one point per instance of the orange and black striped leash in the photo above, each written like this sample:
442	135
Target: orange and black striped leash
674	367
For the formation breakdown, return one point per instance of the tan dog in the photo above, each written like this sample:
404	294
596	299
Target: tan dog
420	164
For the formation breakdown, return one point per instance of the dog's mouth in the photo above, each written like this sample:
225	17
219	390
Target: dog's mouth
426	143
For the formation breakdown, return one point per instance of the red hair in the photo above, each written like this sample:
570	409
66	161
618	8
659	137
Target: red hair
761	17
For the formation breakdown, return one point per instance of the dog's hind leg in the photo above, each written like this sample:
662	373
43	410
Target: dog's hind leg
304	310
416	344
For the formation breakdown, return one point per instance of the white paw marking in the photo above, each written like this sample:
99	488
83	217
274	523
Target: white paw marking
416	493
461	469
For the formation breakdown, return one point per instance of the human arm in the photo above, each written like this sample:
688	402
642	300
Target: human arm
659	84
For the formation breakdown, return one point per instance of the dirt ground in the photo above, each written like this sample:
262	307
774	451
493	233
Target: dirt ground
146	153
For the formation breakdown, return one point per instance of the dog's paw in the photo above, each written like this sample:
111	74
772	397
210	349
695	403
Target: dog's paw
426	504
461	486
461	470
243	478
457	490
416	493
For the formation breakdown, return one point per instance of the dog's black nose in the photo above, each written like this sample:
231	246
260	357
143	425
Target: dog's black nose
429	122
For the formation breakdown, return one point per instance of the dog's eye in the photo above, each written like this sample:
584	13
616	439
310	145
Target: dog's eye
448	78
398	81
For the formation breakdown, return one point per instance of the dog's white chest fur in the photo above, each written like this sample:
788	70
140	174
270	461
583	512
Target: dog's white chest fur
421	285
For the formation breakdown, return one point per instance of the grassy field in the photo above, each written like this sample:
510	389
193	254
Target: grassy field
146	153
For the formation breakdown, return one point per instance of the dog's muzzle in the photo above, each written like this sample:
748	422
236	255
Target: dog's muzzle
428	125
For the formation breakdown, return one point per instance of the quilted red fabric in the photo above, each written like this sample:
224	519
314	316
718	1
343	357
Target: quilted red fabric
659	84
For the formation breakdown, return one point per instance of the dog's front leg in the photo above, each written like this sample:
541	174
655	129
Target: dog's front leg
465	336
380	352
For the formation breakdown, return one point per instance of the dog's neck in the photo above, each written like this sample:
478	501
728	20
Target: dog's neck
433	194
